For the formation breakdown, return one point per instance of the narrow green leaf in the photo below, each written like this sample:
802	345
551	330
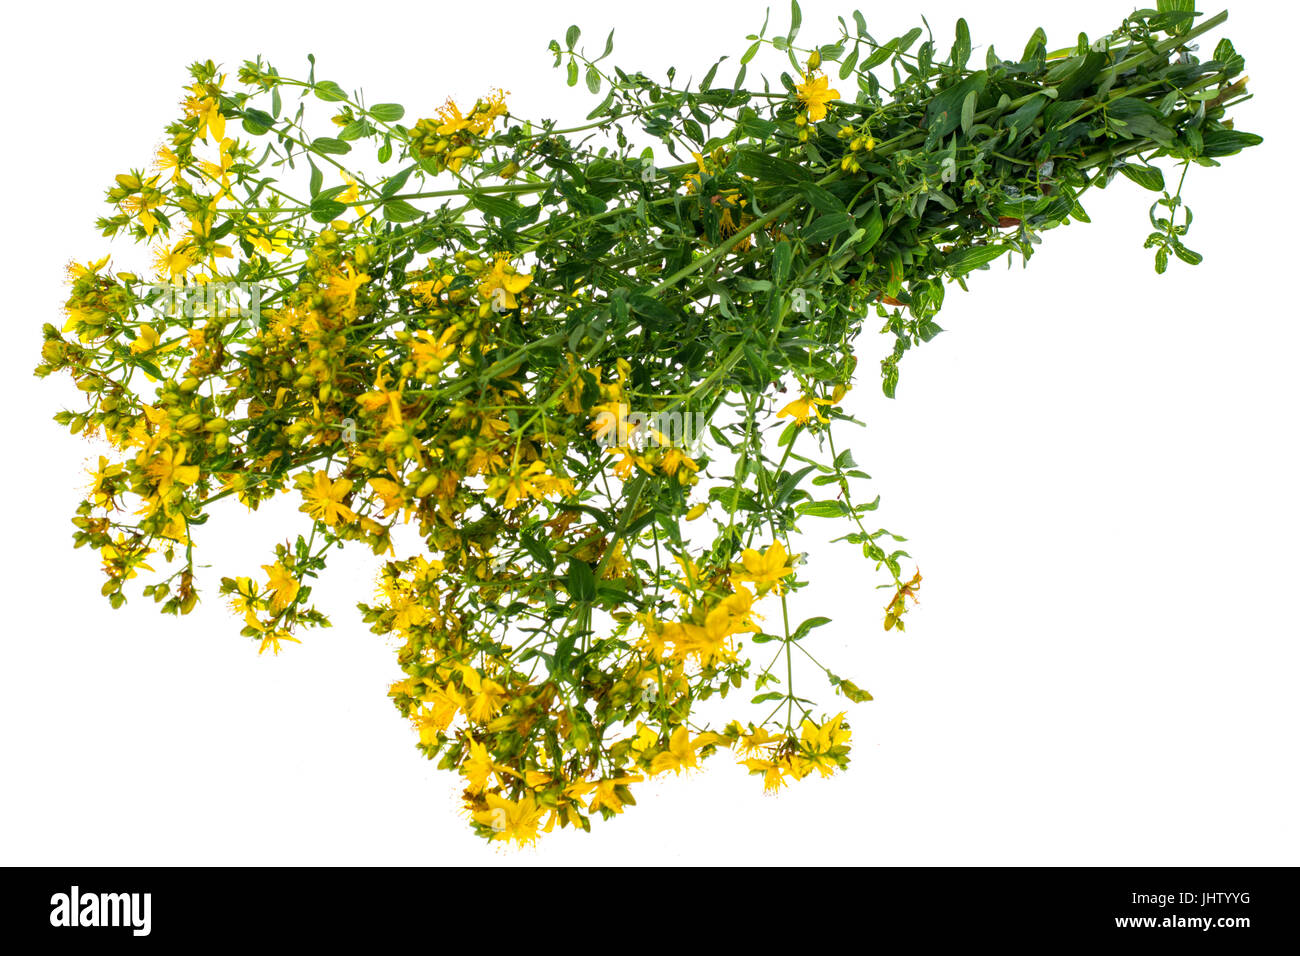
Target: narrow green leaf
965	260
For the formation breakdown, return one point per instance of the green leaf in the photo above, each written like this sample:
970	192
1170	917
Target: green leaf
329	91
541	554
325	210
388	112
873	226
879	55
782	256
908	38
968	111
822	509
330	146
965	260
593	79
581	582
257	122
889	378
603	108
355	130
394	183
1148	177
849	63
1225	142
571	36
802	631
827	227
399	210
498	207
651	308
961	48
823	200
945	110
928	330
790	484
752	162
1022	119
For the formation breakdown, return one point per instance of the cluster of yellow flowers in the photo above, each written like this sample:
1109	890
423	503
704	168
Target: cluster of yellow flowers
779	758
553	646
637	447
860	141
452	138
505	372
530	761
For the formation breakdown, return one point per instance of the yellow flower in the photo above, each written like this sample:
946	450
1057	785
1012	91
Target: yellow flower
452	120
814	95
176	261
141	206
101	492
801	409
273	641
680	754
752	744
478	767
823	739
677	462
283	584
244	600
606	794
211	120
511	820
773	772
732	615
352	195
345	286
325	499
146	340
120	561
392	495
821	745
78	271
763	569
277	244
169	468
517	484
166	160
487	703
431	354
487	697
645	738
444	703
501	284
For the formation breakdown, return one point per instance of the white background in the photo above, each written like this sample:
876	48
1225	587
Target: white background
1094	467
